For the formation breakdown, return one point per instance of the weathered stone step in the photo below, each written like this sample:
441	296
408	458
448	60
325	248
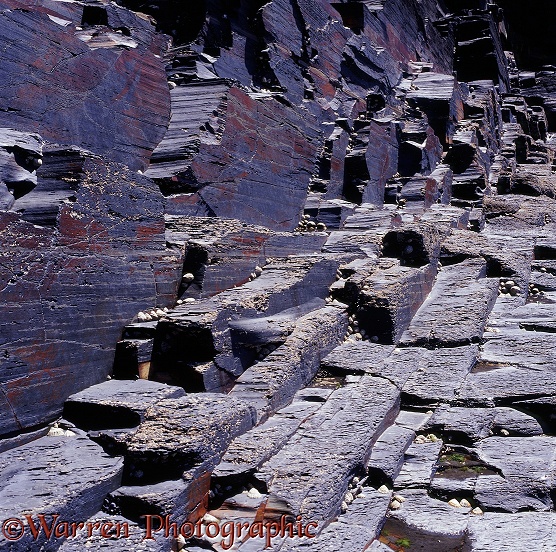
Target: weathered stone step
467	425
224	253
249	451
431	524
456	311
386	296
270	384
310	475
185	433
526	480
117	403
65	475
200	333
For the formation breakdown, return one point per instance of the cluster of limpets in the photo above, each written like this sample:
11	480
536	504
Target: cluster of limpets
154	314
464	503
533	289
397	499
256	273
308	225
508	287
186	300
355	488
430	438
355	332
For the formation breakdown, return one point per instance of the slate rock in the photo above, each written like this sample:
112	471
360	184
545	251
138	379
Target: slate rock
57	459
456	311
526	466
428	524
116	403
270	384
183	433
310	475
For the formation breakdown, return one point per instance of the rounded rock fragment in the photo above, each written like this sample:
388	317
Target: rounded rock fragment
344	507
454	503
383	489
258	270
188	277
514	290
399	498
477	511
465	503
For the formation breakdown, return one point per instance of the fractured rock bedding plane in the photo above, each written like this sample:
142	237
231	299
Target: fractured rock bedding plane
277	275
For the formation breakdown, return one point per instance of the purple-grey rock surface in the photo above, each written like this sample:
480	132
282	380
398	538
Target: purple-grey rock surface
286	261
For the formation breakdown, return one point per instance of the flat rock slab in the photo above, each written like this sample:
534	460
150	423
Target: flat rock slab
521	532
388	453
437	374
527	465
429	524
473	424
456	310
419	465
503	386
354	530
356	357
117	403
180	434
69	476
249	451
536	350
310	475
396	367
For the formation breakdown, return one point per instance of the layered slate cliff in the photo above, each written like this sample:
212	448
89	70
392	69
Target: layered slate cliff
287	261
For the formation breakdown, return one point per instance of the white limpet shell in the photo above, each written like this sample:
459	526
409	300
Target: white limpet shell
208	518
254	493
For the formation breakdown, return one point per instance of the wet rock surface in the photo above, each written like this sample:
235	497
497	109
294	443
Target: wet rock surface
285	262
